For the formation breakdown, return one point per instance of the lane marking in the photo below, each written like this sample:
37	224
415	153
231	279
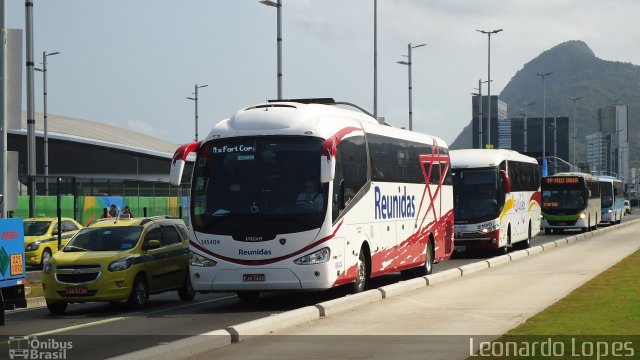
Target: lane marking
119	318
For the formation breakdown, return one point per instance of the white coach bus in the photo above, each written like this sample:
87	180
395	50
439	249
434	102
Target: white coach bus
496	198
304	195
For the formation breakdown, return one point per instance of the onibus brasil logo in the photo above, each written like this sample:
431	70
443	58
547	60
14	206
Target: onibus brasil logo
31	348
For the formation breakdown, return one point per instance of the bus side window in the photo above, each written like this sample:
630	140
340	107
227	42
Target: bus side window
351	171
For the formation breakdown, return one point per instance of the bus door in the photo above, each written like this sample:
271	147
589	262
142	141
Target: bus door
434	169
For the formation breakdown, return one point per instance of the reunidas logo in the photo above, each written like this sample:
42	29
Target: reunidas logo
34	349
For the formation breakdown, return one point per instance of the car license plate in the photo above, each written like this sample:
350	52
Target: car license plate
562	223
76	291
460	248
253	277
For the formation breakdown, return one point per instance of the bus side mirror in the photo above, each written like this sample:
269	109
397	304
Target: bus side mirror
506	182
179	159
327	169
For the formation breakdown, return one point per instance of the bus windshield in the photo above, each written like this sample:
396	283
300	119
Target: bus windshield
477	196
561	194
606	194
258	185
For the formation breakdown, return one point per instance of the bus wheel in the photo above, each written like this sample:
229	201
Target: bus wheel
525	244
248	295
427	268
362	273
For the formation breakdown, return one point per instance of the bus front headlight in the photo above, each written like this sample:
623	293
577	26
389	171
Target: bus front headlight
318	257
200	261
610	210
583	215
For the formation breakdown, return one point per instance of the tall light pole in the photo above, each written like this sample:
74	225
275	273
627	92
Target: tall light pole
408	63
31	122
575	133
489	33
195	100
525	114
278	6
44	114
375	59
4	122
544	111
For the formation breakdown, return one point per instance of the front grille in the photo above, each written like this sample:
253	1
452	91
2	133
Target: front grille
79	266
77	278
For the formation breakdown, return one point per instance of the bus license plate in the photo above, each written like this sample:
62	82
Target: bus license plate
76	291
253	277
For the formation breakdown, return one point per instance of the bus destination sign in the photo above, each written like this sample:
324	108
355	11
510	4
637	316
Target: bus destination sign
562	180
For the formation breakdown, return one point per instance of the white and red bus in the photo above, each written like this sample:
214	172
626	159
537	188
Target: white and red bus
496	198
304	195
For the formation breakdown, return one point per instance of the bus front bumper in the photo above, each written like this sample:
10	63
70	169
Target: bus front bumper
490	240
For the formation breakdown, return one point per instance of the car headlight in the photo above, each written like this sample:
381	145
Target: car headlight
318	257
122	264
47	267
32	246
199	260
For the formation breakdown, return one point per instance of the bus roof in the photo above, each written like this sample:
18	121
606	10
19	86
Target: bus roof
306	119
607	178
475	158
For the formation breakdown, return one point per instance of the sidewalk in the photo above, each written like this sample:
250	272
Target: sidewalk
482	305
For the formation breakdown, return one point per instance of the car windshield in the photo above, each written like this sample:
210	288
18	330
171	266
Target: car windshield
258	184
113	238
36	228
476	194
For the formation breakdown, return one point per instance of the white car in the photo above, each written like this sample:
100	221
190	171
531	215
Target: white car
627	206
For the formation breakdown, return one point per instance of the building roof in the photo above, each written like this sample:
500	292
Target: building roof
97	133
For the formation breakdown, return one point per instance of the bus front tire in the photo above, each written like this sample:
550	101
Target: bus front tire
362	273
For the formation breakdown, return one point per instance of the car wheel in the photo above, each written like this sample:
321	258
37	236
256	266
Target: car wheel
57	307
46	256
248	295
186	292
139	293
361	282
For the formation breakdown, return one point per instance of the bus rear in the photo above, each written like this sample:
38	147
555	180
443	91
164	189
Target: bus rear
12	266
612	199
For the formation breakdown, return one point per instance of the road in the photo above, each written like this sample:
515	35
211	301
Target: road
103	330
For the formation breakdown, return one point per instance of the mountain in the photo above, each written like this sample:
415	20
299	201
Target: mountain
576	72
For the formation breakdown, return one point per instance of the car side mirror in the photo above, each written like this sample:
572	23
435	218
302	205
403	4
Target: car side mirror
152	244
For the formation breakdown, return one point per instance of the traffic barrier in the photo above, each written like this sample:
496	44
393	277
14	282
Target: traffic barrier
561	242
473	267
273	323
518	254
548	246
402	287
443	276
498	260
534	250
183	348
336	306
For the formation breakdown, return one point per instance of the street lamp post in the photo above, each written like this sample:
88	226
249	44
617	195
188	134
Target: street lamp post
375	59
278	6
45	117
544	110
489	33
408	63
526	104
575	133
31	121
195	100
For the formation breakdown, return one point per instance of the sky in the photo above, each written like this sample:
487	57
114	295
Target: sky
133	63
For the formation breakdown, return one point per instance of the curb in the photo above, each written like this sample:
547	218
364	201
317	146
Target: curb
200	344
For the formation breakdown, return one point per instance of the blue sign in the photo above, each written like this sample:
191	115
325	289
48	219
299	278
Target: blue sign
545	172
12	259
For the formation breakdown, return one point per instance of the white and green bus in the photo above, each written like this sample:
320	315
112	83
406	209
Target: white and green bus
570	200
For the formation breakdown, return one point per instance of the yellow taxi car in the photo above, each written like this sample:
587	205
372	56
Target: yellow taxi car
41	237
120	260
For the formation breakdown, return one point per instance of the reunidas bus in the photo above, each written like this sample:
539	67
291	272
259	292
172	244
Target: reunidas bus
570	201
496	198
612	199
295	195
